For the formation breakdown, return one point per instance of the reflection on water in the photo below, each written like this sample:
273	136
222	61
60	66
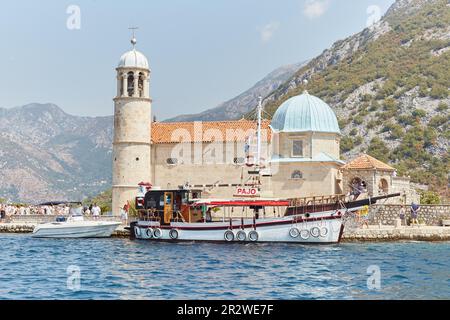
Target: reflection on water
123	269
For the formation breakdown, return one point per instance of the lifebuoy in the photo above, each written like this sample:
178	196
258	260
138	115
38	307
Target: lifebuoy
157	233
173	234
241	235
304	234
149	233
315	232
294	232
253	235
137	231
228	235
323	231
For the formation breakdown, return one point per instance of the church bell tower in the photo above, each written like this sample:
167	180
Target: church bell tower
132	128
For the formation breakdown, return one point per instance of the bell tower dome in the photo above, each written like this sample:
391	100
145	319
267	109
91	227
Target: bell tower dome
132	127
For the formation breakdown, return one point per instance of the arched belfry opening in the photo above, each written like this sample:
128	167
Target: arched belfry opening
141	84
130	83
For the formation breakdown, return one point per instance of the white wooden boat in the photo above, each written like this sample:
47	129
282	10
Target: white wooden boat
177	215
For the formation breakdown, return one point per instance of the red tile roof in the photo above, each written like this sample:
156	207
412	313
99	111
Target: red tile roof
208	131
366	162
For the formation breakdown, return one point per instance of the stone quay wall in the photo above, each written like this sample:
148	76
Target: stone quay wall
431	215
390	233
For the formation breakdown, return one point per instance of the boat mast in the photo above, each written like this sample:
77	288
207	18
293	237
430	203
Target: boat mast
258	152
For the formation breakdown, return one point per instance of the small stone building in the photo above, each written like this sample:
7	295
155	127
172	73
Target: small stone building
379	179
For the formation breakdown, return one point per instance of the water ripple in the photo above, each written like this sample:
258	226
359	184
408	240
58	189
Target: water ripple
124	269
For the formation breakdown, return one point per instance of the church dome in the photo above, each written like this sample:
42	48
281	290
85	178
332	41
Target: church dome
305	113
133	59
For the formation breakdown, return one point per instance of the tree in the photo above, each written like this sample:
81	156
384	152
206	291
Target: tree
429	197
378	149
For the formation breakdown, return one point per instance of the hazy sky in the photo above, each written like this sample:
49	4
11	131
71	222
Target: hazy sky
201	52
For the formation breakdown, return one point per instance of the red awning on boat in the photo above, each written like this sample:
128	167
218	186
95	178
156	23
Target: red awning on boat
244	203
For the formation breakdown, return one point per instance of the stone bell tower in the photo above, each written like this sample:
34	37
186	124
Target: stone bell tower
132	128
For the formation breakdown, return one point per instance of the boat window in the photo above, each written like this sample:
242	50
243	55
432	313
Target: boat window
151	203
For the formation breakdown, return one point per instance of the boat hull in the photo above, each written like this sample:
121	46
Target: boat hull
324	229
83	229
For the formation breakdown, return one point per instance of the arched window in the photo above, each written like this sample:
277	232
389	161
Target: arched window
383	186
297	175
130	84
141	84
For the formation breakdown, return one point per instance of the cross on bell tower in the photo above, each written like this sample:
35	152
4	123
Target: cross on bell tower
133	39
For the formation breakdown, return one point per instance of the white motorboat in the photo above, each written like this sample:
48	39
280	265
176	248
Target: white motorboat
75	227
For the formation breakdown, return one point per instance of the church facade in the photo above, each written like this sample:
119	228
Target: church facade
299	147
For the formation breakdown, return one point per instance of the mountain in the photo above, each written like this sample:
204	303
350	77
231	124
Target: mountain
47	154
243	103
389	86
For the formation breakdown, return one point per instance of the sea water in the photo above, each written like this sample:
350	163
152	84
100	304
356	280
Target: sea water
123	269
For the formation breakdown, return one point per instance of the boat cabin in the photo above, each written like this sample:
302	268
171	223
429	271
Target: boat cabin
169	205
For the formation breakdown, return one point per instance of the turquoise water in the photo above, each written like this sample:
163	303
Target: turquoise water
123	269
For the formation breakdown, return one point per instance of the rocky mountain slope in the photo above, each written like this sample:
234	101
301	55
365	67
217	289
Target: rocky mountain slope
389	86
236	107
46	154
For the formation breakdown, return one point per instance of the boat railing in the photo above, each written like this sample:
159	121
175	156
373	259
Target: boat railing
149	215
308	204
154	215
178	217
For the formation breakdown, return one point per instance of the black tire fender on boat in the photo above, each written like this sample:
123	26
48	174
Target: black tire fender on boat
173	234
294	232
241	235
137	231
315	232
253	235
157	233
228	235
149	233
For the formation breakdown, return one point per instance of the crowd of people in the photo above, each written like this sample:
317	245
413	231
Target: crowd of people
63	210
9	210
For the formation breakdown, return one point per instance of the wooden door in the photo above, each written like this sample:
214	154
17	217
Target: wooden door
168	207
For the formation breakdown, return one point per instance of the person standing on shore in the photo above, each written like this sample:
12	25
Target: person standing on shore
414	211
124	214
403	215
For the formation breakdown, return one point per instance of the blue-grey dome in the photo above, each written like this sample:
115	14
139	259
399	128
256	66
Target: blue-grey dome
305	113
